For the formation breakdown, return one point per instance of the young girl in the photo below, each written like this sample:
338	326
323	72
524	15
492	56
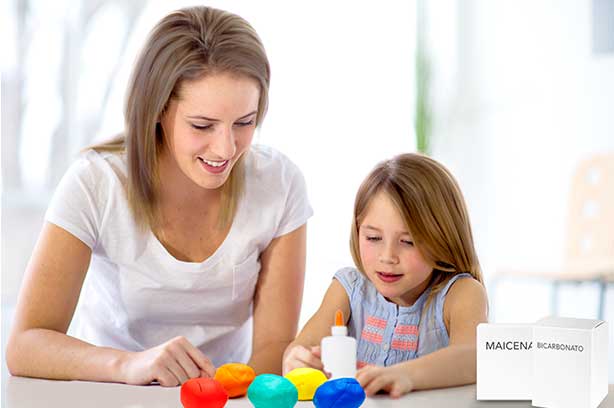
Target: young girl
416	295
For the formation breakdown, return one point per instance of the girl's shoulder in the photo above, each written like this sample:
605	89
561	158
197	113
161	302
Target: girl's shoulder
355	283
464	296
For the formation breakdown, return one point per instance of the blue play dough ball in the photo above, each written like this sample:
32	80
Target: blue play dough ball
339	393
272	391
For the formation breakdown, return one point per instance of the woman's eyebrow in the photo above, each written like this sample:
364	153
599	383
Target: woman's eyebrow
217	120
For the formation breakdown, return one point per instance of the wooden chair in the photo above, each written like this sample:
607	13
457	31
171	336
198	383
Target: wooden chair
589	252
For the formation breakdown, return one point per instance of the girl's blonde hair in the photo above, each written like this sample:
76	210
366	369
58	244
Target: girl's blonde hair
186	45
430	202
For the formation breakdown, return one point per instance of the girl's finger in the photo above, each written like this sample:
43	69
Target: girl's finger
375	385
364	375
308	358
397	390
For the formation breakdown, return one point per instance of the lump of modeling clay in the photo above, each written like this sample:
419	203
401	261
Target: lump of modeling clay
203	392
306	380
339	393
235	378
272	391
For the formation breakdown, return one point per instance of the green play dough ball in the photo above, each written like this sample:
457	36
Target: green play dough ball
272	391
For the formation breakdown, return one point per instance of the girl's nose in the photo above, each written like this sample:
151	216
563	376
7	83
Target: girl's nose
388	256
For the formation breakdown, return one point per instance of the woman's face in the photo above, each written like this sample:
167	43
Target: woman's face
210	125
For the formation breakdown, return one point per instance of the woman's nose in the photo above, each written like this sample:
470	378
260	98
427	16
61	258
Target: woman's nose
223	145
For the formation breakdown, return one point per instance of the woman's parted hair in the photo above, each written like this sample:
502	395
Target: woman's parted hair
430	202
186	45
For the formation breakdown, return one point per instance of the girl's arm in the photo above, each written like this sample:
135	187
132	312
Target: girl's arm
277	301
304	351
39	347
464	308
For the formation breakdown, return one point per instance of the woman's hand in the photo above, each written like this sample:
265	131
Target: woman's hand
297	356
394	379
170	364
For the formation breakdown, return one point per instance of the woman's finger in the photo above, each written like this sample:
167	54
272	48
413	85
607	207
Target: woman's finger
199	358
166	378
180	374
187	363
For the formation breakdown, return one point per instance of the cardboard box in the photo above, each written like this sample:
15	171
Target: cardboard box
504	361
570	358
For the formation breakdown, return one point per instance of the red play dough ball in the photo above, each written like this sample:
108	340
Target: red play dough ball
203	392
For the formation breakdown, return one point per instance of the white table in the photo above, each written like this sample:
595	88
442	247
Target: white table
32	393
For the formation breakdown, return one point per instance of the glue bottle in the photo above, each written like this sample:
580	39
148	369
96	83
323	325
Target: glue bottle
339	350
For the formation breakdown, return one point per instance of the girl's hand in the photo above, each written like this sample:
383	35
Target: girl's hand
393	379
297	356
170	364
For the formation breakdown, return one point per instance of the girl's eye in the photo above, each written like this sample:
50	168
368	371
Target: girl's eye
201	127
251	122
374	238
407	242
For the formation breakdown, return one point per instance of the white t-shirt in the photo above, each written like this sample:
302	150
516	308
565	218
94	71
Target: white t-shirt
136	295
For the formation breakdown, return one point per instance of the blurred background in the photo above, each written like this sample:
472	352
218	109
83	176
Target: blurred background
512	96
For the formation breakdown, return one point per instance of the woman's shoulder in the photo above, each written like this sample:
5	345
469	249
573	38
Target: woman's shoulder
266	161
100	166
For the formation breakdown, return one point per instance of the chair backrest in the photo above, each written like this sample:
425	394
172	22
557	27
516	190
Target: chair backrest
590	231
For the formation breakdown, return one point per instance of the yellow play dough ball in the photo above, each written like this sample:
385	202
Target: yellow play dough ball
306	380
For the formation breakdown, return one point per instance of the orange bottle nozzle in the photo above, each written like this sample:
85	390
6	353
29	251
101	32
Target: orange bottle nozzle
339	318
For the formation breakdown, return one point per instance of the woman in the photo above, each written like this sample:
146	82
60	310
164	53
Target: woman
186	243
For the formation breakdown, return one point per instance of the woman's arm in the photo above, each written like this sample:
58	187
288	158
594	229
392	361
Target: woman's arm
39	347
277	301
464	308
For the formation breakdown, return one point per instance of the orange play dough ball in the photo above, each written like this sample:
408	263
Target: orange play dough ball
235	378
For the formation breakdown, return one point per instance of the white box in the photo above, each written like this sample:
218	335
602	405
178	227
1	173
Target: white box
570	358
504	361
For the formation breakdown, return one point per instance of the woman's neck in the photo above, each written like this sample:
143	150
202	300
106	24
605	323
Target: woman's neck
179	196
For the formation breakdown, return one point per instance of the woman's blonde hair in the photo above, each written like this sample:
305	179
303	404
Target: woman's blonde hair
430	202
186	45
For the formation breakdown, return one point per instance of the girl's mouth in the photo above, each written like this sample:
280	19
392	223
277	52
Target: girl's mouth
388	277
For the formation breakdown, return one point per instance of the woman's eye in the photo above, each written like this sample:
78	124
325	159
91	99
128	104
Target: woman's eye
251	122
201	127
407	242
373	238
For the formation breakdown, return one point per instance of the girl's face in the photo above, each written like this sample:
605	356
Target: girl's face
210	126
389	257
